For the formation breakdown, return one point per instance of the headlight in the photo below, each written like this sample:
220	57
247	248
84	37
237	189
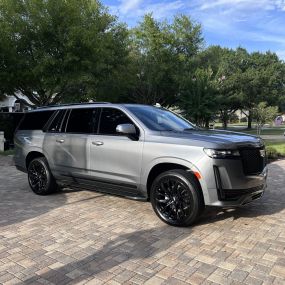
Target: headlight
221	153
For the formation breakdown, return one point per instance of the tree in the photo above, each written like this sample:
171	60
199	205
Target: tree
227	99
198	97
244	79
53	49
2	96
159	52
229	96
260	78
263	114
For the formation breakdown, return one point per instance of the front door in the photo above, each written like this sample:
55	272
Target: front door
115	160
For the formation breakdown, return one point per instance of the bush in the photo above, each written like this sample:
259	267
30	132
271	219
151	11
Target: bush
8	124
233	118
272	153
243	120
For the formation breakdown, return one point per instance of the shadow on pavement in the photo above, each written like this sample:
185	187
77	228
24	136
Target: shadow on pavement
17	201
130	246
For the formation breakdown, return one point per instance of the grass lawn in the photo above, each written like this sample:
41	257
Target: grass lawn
269	131
279	131
277	145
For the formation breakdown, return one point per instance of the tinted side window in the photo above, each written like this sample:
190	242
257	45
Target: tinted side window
81	121
35	120
56	124
110	119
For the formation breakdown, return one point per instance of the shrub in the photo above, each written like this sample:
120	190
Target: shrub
272	153
233	118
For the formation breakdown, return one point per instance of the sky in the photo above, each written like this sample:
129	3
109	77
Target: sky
257	25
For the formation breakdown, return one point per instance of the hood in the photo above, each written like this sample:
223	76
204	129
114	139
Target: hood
216	138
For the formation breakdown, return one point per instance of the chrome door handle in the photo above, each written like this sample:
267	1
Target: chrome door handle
60	140
97	143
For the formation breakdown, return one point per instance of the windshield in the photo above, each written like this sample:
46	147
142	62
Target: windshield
159	119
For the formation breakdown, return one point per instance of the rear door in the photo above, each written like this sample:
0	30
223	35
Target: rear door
52	144
69	146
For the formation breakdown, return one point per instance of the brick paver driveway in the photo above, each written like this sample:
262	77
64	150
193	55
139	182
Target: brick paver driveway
86	237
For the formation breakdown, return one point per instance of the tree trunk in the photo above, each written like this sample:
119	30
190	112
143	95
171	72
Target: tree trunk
224	118
249	120
225	123
207	123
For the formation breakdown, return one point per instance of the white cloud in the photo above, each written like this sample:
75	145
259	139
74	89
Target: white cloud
281	4
267	38
162	10
131	9
243	4
281	54
129	5
256	24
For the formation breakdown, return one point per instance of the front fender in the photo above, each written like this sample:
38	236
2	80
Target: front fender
168	159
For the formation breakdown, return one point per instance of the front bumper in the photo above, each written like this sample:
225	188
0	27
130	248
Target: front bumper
226	185
239	197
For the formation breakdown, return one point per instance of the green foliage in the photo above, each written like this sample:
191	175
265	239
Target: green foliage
259	78
49	48
159	53
275	149
197	96
73	51
243	79
263	114
7	152
271	152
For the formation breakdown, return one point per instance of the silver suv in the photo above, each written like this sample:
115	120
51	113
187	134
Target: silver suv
142	152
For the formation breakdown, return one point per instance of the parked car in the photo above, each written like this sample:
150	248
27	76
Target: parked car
142	152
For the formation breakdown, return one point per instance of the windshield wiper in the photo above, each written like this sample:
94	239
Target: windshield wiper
169	130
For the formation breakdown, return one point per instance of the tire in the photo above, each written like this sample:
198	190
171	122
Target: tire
40	177
177	198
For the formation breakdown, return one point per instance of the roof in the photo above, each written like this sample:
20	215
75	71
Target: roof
80	105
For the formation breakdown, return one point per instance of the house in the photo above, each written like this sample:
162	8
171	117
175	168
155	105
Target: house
12	104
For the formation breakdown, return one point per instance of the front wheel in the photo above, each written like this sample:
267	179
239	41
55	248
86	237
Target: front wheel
40	177
176	197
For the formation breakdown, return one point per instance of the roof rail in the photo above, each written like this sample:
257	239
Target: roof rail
71	104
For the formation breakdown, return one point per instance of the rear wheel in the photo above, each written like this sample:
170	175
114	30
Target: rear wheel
176	197
40	177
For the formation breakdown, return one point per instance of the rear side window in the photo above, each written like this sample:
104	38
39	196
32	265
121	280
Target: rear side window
110	119
35	120
81	121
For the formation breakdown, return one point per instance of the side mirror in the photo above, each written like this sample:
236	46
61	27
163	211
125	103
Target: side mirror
126	129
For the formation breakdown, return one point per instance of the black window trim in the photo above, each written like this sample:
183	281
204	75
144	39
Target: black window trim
66	115
21	121
53	117
49	122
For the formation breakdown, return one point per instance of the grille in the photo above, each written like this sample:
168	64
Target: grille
253	162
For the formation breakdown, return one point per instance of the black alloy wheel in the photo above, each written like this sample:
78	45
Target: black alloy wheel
40	178
176	197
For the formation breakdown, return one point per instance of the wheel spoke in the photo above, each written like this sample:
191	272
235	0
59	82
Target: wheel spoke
37	176
173	199
165	189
